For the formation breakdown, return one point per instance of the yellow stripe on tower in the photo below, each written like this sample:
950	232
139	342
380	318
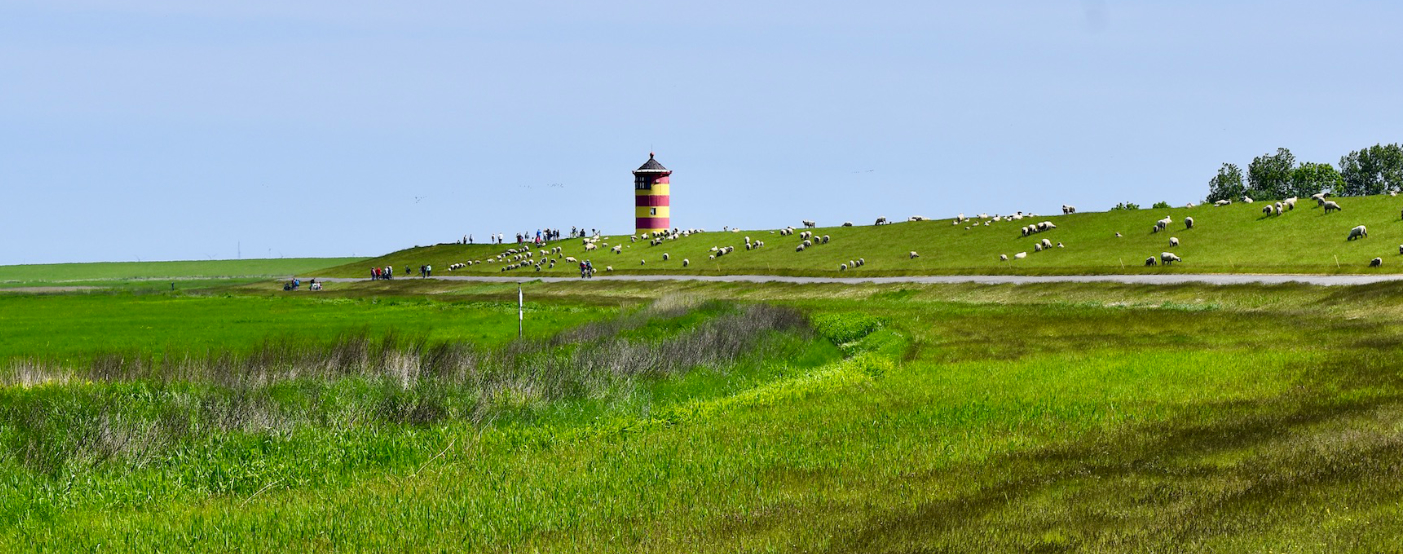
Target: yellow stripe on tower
643	211
659	189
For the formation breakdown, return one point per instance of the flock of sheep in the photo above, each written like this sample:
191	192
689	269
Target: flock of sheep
545	258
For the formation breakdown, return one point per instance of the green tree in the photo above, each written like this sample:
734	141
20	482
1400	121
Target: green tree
1373	170
1269	175
1311	178
1227	185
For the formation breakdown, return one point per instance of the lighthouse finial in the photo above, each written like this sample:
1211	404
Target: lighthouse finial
650	155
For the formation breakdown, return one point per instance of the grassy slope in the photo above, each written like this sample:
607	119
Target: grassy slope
82	273
1236	238
1063	417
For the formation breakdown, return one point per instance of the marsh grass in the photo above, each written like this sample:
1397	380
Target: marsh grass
136	407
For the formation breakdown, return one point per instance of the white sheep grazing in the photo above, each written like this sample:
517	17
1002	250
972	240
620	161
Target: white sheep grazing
1188	223
1358	233
1167	257
842	267
1037	247
914	255
1191	204
608	268
799	248
642	262
1331	206
1222	202
1174	241
1117	234
1004	257
1047	243
686	262
861	262
1268	209
1376	262
1280	208
1149	261
1247	199
1059	245
847	224
810	224
571	259
881	221
665	256
825	239
1020	255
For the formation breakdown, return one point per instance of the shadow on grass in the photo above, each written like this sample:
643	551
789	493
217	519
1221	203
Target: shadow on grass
1220	472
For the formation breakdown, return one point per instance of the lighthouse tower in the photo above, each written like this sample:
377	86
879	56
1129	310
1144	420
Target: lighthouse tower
650	197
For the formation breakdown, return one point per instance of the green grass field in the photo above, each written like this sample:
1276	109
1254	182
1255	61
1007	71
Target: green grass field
719	418
1230	239
107	274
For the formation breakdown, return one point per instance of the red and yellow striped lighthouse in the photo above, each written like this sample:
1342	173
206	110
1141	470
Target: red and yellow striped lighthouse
650	197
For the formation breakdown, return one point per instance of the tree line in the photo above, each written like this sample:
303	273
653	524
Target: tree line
1373	170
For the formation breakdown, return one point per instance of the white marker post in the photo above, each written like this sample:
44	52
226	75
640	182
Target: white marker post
520	311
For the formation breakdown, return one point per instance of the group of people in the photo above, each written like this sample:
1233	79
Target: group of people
586	269
295	283
388	272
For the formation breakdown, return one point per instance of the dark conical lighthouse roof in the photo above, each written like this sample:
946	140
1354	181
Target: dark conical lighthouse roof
651	166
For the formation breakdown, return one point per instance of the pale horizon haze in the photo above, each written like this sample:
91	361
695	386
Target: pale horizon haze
164	130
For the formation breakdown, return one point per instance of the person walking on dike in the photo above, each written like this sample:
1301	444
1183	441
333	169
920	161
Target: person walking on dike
584	270
389	272
373	272
429	270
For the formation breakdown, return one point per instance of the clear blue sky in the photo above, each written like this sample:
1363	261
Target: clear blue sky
180	130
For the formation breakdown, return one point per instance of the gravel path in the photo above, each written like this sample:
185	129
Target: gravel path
1212	279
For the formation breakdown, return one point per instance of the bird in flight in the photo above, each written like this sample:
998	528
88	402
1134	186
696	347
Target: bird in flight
418	198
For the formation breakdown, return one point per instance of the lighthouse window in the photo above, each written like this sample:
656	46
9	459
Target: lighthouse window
652	211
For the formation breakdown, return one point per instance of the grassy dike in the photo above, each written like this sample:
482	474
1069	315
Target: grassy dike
1230	239
1063	417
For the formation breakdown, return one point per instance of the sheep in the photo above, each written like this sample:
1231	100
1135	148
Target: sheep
1376	262
861	262
1167	257
1149	261
618	249
1247	199
1117	234
1188	223
1318	198
1047	243
1190	205
1331	206
916	218
1357	233
914	255
808	244
809	224
799	248
1037	247
571	259
1068	209
1268	209
608	268
1174	241
686	262
842	267
825	239
665	256
847	224
642	262
1059	245
1222	202
1020	255
881	221
1004	257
